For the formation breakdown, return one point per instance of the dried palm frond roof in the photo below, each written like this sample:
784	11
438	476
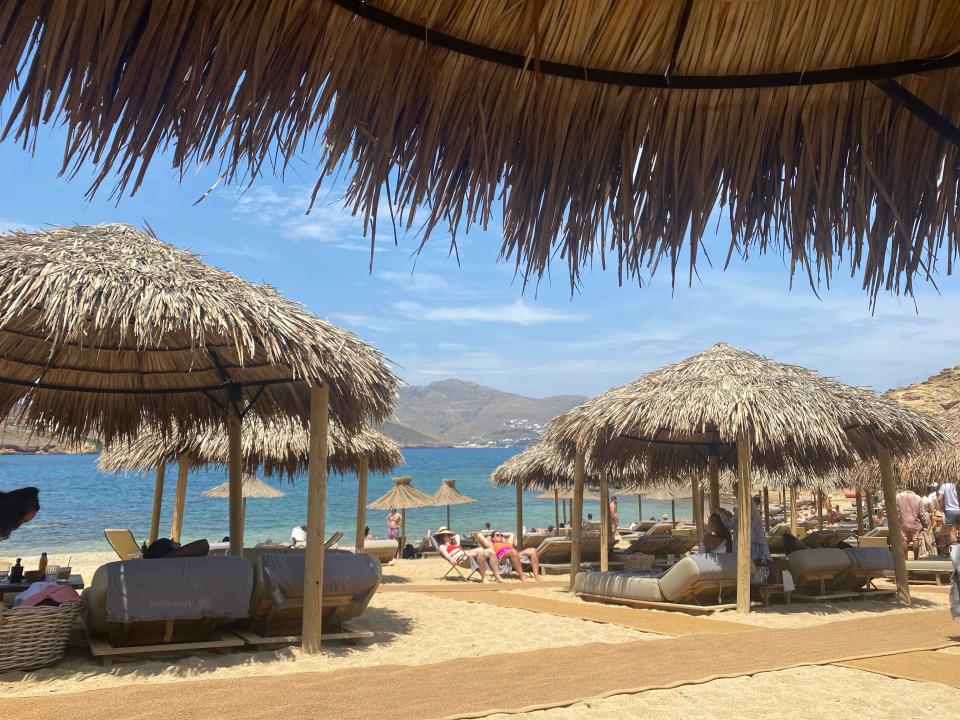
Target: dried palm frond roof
403	496
544	467
279	446
448	494
253	487
797	420
104	327
566	493
607	128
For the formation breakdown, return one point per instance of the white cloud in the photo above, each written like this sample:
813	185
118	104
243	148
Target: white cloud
369	322
518	313
417	281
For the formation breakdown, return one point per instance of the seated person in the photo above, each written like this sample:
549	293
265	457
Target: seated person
504	545
791	543
448	543
716	537
167	548
298	536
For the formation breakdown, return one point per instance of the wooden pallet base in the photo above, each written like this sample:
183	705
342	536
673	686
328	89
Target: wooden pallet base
659	605
828	596
249	637
107	653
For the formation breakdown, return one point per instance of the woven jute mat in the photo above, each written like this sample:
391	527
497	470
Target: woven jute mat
460	586
522	681
922	665
652	621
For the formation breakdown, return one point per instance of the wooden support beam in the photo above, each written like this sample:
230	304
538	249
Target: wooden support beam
919	109
893	523
818	497
556	511
871	523
180	497
361	504
157	503
316	516
519	492
714	474
859	493
604	523
744	509
576	513
697	499
766	508
235	478
793	511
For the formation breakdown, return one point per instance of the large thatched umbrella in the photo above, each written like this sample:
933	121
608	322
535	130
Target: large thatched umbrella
403	496
603	128
447	494
253	487
275	446
105	328
742	411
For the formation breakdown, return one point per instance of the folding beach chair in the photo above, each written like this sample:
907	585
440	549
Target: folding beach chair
123	542
458	567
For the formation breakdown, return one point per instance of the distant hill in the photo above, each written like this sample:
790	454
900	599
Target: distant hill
408	437
18	438
456	412
934	395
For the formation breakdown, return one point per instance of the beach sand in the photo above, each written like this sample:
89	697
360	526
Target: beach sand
414	628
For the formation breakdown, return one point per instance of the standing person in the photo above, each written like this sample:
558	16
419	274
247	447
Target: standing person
933	521
910	509
394	519
947	495
759	547
614	520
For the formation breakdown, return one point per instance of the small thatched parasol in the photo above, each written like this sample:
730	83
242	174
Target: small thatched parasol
566	493
403	496
447	494
604	128
253	487
741	411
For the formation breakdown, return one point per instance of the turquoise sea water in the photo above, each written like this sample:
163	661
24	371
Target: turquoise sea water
77	501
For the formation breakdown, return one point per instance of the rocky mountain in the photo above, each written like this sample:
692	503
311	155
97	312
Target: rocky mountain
934	395
456	412
16	438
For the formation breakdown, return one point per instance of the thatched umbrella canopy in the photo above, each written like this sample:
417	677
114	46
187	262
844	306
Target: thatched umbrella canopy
104	328
403	496
603	128
447	494
566	493
738	410
277	447
253	487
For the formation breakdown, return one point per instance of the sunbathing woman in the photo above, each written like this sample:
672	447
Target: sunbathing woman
502	543
448	543
716	538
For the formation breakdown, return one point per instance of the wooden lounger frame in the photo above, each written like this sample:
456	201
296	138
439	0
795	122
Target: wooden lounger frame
270	625
700	589
134	639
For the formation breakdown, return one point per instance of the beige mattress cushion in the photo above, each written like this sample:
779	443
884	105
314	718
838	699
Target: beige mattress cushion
623	585
805	563
679	580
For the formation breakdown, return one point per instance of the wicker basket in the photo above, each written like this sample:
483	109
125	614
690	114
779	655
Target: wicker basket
32	637
638	562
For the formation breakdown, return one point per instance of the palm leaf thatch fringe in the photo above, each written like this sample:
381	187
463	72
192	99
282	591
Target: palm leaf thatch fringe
589	170
931	466
275	447
798	421
253	487
448	494
105	327
403	496
545	467
566	493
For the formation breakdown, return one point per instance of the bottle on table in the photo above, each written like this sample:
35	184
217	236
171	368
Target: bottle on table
42	569
16	573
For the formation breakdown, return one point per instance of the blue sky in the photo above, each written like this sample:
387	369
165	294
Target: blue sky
436	319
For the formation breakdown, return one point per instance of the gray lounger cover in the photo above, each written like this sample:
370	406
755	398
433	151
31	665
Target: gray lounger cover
674	584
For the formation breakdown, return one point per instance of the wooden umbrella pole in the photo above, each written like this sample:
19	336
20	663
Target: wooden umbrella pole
697	506
639	508
766	508
576	514
604	524
157	502
744	564
793	511
316	516
403	531
564	502
859	502
870	521
556	511
180	497
673	511
235	475
448	516
519	515
361	503
714	474
818	496
893	523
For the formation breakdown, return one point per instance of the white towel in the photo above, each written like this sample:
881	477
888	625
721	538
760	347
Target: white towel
788	585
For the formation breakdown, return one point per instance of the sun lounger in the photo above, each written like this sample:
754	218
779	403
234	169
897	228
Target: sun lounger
698	583
814	569
139	606
828	537
533	540
556	550
123	542
465	563
660	545
929	569
276	602
384	551
866	565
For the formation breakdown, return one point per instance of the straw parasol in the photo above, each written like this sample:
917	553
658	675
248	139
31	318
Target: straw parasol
447	494
253	487
610	129
104	328
403	496
741	411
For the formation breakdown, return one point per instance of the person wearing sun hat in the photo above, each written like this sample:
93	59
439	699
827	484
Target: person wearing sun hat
448	543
